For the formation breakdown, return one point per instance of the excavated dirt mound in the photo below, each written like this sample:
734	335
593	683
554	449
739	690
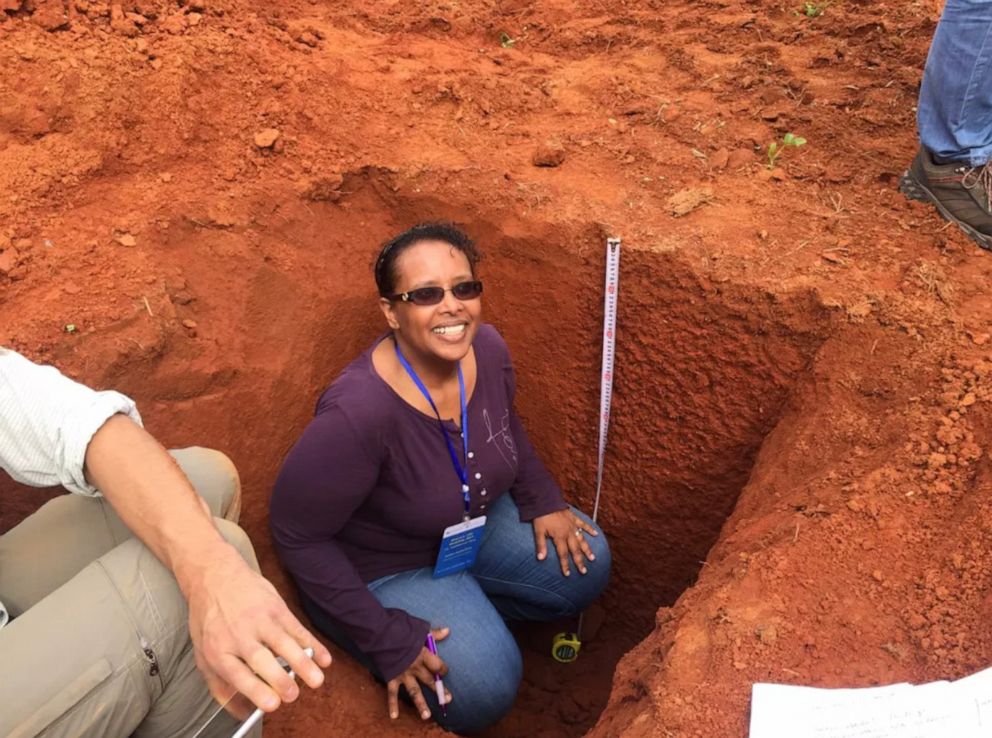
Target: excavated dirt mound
191	194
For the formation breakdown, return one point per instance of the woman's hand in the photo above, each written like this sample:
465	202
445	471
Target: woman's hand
423	669
565	529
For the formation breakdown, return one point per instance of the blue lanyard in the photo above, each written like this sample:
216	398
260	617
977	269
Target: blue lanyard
460	470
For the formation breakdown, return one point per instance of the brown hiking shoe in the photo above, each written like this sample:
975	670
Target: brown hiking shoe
962	193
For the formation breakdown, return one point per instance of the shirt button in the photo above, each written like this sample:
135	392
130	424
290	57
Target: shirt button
482	507
471	454
483	493
478	475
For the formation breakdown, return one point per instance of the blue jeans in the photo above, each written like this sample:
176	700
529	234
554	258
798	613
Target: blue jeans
955	110
507	582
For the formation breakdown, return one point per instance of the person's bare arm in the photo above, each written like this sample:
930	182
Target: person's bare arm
238	622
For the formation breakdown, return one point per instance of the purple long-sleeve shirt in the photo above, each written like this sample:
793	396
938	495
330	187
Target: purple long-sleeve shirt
369	488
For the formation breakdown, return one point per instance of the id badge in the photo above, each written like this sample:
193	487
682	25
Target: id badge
459	546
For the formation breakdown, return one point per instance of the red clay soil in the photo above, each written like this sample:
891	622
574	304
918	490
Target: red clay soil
797	483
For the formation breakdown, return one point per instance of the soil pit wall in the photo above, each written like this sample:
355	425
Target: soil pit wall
857	555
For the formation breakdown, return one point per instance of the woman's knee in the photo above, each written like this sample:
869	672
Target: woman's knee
591	584
483	679
600	547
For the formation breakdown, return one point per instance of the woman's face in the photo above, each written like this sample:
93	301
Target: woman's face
443	331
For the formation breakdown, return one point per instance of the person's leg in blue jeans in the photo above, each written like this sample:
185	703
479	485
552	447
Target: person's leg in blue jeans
955	110
507	582
951	170
484	664
523	588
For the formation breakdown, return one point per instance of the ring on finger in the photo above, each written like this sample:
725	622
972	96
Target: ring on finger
578	533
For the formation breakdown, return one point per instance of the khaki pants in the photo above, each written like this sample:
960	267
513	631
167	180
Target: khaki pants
90	603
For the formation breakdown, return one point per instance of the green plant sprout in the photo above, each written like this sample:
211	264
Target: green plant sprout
813	10
775	148
506	41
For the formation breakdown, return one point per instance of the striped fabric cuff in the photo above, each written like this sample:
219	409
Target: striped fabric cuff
78	429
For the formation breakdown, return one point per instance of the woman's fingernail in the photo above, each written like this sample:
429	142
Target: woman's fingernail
393	715
425	714
583	570
591	557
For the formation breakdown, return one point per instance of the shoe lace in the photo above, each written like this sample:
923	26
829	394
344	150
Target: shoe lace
980	177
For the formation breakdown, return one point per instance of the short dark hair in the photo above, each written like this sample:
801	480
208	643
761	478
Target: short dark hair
385	265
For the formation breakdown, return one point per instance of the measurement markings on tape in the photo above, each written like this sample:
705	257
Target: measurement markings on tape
609	352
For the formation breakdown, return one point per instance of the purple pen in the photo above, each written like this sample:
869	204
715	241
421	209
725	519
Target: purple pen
438	684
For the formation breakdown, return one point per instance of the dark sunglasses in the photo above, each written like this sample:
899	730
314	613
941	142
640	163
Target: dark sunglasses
433	295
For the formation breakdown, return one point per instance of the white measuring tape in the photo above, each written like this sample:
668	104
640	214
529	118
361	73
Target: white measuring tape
565	647
609	352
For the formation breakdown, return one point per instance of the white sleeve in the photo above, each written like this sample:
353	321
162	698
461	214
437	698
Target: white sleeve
47	421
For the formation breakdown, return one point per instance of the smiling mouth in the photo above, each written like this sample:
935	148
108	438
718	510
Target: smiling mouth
450	330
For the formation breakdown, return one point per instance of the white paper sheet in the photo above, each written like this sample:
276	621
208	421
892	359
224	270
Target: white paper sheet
961	709
977	690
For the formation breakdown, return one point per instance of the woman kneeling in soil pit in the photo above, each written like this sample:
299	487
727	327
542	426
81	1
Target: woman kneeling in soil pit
397	526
